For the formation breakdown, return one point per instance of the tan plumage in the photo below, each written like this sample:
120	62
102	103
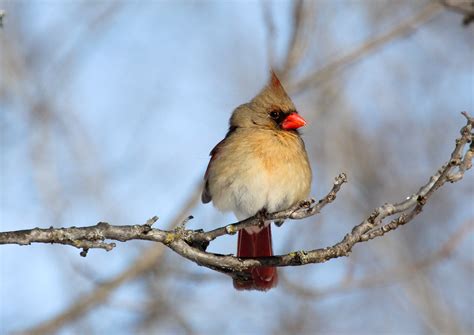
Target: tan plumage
256	169
262	162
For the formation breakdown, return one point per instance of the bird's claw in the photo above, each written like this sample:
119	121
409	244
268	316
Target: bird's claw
262	216
306	203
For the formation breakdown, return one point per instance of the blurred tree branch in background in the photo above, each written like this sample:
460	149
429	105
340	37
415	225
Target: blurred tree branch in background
2	16
428	12
464	7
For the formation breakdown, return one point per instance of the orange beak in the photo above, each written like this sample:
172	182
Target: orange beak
293	121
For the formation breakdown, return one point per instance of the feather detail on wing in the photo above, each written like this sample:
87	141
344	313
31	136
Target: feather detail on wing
206	194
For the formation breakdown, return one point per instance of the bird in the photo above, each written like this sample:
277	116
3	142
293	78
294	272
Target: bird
261	166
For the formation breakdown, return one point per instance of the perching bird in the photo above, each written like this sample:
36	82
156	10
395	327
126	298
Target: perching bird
260	165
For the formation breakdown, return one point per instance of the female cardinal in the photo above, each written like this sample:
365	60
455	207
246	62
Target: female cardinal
260	166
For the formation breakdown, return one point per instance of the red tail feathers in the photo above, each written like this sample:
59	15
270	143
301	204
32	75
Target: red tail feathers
257	245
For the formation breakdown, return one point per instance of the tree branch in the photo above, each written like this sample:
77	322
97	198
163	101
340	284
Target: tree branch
464	7
387	276
192	244
94	236
148	259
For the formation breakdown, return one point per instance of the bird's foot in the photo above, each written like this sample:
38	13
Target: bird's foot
306	203
262	216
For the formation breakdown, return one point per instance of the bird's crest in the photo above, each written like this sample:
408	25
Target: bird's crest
274	94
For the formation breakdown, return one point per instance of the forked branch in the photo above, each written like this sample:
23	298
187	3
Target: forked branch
192	244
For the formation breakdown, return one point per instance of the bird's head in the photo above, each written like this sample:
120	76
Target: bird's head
271	109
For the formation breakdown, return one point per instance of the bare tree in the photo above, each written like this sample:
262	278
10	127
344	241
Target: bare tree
90	97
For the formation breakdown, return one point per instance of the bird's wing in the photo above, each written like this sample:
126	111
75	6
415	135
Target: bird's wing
206	193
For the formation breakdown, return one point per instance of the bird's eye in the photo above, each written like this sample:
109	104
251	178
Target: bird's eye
275	115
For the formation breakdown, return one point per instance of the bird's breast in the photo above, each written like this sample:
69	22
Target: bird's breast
261	170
